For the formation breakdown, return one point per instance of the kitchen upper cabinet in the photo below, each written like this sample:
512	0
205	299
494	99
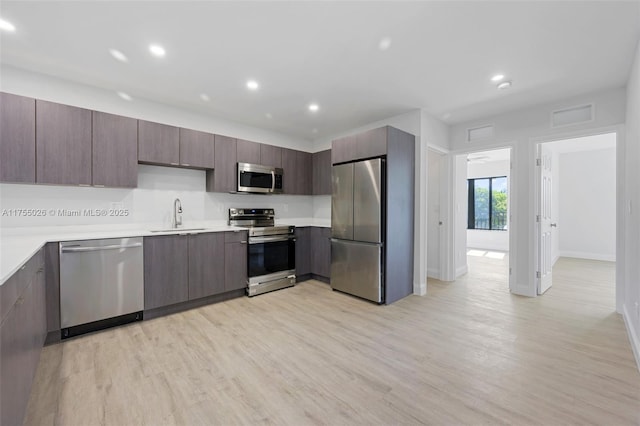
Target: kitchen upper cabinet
303	251
321	252
369	144
343	149
115	150
296	167
223	177
235	260
248	152
166	270
63	144
372	143
206	264
270	155
197	149
17	139
321	179
158	143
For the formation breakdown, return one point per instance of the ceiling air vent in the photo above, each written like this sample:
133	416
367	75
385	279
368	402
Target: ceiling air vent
480	133
573	115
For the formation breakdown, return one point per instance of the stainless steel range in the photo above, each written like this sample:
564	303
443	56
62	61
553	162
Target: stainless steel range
271	250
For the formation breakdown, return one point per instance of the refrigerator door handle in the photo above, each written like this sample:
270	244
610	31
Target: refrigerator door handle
360	243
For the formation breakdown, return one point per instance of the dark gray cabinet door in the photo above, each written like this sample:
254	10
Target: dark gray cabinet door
115	150
166	270
206	264
343	149
321	251
196	149
63	144
52	280
270	155
303	251
372	143
248	152
303	173
158	143
235	261
22	336
17	138
223	177
289	168
321	179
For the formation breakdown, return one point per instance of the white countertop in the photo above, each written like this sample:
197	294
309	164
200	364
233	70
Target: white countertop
18	245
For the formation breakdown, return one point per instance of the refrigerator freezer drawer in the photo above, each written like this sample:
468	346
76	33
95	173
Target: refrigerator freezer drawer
356	269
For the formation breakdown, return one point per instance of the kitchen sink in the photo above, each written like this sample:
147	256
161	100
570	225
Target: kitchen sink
177	229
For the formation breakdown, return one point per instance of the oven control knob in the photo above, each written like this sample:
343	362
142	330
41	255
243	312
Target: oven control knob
240	211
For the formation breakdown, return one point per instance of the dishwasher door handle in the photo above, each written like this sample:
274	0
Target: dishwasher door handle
99	248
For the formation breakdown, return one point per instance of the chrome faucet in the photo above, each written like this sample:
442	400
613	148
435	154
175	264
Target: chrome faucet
177	213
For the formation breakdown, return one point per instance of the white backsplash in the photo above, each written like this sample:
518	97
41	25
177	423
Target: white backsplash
150	202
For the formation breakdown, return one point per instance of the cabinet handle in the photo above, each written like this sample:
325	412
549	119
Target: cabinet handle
186	164
40	269
20	300
99	186
83	184
243	242
175	164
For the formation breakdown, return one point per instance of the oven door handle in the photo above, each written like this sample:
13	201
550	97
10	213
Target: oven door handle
271	239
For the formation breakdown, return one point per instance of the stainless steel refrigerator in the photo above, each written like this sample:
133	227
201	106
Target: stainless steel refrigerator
357	229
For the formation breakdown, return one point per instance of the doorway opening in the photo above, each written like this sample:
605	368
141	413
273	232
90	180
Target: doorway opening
482	206
576	213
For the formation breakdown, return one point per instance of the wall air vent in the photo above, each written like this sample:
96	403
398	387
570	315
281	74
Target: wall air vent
480	133
573	115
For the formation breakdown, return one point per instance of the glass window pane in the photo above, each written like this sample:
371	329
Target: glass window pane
481	205
499	203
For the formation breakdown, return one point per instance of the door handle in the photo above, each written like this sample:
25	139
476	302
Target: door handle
554	225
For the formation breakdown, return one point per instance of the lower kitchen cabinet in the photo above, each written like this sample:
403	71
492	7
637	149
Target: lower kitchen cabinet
166	270
303	255
321	252
235	260
206	264
22	334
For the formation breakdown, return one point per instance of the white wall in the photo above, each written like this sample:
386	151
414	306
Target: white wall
522	130
586	224
157	186
484	239
461	210
631	219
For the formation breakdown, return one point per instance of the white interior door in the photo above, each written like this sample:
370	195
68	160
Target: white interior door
545	256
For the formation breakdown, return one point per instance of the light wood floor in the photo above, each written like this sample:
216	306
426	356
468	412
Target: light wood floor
468	353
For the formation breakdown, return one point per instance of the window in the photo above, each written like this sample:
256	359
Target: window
487	203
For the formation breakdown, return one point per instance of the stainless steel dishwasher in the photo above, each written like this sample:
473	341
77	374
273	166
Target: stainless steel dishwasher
101	284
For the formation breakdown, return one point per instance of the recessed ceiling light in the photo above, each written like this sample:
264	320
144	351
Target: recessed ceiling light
268	115
504	85
313	107
446	116
118	55
205	97
252	85
157	50
7	26
125	96
384	43
496	78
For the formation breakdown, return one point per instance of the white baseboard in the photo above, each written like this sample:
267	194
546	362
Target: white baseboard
462	270
420	289
433	273
590	256
634	339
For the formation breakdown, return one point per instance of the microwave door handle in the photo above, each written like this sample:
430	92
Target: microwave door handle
273	180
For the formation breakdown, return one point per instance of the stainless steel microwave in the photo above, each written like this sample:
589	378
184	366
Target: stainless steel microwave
258	178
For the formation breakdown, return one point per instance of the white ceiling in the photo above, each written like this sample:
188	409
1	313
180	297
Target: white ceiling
441	55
